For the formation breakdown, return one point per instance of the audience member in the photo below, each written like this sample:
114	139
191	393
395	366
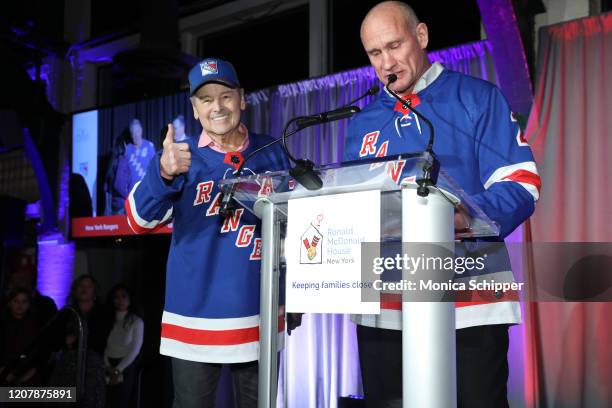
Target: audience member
122	348
18	328
42	307
98	322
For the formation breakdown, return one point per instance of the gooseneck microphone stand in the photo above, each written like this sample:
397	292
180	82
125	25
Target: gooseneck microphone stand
431	167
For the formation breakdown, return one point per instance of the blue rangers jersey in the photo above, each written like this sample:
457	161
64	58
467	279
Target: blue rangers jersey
479	144
211	311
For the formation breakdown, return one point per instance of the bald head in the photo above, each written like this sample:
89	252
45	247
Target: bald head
392	8
395	42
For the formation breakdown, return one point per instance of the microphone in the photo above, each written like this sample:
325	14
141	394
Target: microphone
373	90
227	206
406	104
336	114
333	115
432	167
304	170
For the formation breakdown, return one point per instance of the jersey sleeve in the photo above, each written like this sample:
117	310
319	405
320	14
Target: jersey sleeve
149	204
507	169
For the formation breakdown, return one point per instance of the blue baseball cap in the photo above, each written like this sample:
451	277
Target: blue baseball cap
212	70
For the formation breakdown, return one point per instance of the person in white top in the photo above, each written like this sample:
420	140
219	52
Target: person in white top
122	349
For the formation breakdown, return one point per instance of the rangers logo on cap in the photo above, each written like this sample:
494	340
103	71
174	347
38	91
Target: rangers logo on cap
209	67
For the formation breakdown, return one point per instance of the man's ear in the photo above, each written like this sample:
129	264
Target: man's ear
422	34
242	100
195	112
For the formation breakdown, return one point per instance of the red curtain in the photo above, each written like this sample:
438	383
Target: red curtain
569	344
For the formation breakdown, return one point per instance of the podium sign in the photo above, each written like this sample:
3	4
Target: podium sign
323	252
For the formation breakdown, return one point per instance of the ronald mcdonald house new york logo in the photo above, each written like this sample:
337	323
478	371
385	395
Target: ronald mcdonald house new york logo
311	245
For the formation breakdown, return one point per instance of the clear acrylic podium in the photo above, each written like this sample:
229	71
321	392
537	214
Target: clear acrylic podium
428	358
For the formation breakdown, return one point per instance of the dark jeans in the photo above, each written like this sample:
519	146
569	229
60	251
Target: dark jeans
482	366
195	384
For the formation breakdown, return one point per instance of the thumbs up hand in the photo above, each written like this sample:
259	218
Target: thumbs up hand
176	157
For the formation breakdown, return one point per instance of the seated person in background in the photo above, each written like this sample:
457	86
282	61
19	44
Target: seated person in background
42	307
122	348
99	319
99	322
18	328
179	129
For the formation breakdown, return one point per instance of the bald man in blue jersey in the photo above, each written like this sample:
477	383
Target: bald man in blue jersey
481	146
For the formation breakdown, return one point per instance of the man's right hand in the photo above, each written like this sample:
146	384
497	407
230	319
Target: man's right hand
176	157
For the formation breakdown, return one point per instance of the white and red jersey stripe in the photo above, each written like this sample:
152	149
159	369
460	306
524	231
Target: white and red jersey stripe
476	308
525	174
228	340
138	224
466	314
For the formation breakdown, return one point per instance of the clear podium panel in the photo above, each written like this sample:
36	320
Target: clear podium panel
386	174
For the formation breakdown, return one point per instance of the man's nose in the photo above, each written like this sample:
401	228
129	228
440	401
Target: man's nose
388	61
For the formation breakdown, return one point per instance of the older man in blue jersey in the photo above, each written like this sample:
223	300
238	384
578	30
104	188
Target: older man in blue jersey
211	311
481	146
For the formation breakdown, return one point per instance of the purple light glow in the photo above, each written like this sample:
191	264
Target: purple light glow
33	210
502	30
516	348
45	74
55	267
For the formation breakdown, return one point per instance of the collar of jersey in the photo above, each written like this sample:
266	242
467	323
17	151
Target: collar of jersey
208	153
429	77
